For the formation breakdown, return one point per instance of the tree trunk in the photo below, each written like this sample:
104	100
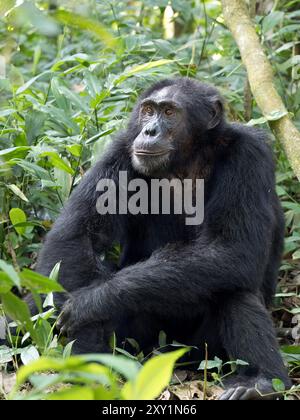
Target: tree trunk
260	77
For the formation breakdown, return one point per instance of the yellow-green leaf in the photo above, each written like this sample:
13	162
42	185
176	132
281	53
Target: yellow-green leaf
16	216
75	393
141	68
58	162
91	25
16	190
75	149
153	377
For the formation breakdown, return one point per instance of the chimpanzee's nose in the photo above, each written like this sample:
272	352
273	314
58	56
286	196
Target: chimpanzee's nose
151	130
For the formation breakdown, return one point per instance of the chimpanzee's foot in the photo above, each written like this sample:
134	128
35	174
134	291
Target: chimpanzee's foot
261	389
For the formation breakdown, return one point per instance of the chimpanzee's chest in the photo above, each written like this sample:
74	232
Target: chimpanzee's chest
145	234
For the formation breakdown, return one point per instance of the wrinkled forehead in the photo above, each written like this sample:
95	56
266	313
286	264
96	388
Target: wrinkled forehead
166	94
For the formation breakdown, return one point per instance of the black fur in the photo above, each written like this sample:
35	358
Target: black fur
209	283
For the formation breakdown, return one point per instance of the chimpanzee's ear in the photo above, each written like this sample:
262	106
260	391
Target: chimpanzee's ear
217	111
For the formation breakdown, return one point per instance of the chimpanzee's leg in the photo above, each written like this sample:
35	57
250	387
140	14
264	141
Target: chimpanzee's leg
247	333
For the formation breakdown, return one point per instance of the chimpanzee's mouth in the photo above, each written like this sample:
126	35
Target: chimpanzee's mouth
142	152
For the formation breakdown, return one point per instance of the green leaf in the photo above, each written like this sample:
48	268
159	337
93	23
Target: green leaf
72	19
17	309
38	283
6	112
6	354
210	364
75	393
16	190
16	216
153	377
68	349
276	115
75	149
58	162
15	76
11	273
271	20
60	99
97	136
31	81
291	349
126	367
140	69
55	271
295	311
73	364
241	362
257	121
33	169
72	97
34	125
278	385
5	282
296	255
14	152
29	354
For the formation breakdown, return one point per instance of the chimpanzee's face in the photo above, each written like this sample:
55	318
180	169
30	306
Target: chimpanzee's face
162	122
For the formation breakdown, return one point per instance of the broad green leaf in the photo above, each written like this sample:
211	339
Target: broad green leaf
14	152
5	282
38	283
75	149
33	169
94	26
6	354
11	273
58	162
16	216
291	349
6	112
126	367
79	57
71	364
29	12
68	349
15	76
153	377
34	125
74	393
60	99
72	97
17	310
271	20
29	354
31	81
278	385
210	364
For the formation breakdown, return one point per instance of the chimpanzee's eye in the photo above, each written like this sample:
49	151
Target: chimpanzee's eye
169	112
148	109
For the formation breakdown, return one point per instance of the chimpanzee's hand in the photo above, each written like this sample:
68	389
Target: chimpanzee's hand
81	308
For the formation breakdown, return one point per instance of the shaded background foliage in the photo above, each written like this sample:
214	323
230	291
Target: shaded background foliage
70	73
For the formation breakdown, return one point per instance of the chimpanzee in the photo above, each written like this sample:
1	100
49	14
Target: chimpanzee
199	283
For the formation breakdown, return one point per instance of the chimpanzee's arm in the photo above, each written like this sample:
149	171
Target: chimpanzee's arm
74	236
